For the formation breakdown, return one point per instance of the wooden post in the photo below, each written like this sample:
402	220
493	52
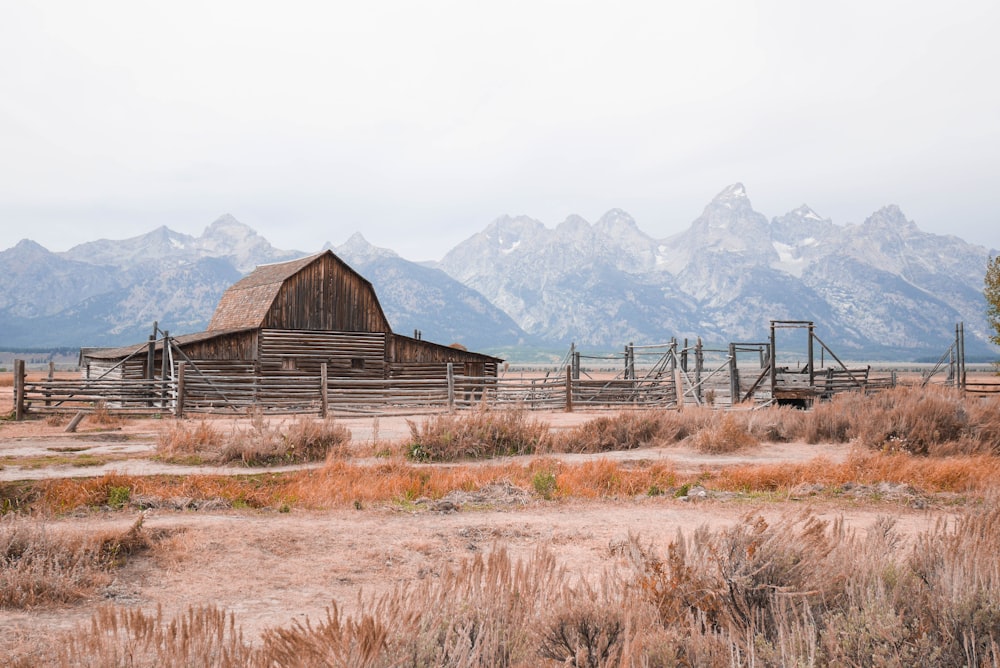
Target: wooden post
961	355
679	387
75	422
774	368
699	366
734	380
18	390
569	389
812	359
165	371
151	366
179	408
151	358
451	387
324	396
52	370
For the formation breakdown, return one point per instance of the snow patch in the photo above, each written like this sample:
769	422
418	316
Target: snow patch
513	247
787	259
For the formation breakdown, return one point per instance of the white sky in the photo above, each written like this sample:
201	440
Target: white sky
418	123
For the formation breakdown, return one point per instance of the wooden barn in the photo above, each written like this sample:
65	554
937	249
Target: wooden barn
288	320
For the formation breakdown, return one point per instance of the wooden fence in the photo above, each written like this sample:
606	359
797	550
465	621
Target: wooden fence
237	390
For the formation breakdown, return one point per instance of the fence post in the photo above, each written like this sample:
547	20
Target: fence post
679	387
48	393
961	355
179	408
569	389
734	380
18	390
451	387
164	371
699	366
324	397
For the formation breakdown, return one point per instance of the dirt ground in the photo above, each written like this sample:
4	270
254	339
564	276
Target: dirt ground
270	568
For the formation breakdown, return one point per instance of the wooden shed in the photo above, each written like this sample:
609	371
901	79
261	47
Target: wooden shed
287	320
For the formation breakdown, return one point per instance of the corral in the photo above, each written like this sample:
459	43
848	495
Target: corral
349	373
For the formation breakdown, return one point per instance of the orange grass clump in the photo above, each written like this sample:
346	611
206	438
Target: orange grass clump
342	483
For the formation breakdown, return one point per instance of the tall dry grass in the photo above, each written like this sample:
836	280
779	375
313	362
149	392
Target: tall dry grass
39	566
260	444
202	636
482	433
795	591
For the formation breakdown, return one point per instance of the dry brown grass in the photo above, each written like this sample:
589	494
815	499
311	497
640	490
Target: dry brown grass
481	433
303	440
341	483
105	418
183	443
203	636
41	567
797	590
728	434
626	430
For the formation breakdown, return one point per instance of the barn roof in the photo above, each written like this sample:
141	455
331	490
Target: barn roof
183	339
247	301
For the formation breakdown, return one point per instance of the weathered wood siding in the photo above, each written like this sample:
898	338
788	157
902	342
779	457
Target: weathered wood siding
411	357
326	295
346	354
241	346
133	368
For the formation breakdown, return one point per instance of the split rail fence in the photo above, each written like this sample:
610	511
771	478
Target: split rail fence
236	391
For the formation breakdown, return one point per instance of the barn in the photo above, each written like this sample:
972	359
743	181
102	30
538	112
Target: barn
290	320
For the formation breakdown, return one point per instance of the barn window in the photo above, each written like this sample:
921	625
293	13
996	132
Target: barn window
358	363
288	364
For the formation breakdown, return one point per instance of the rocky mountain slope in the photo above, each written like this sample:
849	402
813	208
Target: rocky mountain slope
880	289
106	293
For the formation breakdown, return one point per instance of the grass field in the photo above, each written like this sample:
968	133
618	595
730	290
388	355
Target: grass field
862	532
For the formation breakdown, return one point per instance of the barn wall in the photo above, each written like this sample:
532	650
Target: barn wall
326	296
415	358
347	354
241	346
93	368
439	370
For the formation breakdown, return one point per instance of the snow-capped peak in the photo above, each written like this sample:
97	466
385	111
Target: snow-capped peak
735	191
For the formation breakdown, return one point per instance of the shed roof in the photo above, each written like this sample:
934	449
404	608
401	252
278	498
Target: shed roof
183	339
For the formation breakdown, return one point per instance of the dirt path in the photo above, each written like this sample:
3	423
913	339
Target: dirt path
36	450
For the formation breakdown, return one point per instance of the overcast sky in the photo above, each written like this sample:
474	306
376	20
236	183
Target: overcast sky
418	123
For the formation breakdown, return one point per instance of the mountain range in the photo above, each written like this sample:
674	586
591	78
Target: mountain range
882	289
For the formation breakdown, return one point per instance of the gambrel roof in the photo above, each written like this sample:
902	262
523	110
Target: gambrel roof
332	296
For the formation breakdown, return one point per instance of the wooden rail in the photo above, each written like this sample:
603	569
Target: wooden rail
235	389
983	389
